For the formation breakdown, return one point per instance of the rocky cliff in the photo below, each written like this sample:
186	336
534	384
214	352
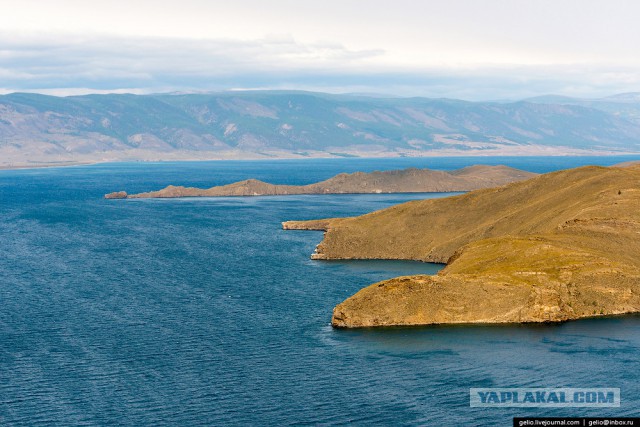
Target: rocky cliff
560	246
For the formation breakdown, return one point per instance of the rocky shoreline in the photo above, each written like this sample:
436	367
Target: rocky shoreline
557	247
398	181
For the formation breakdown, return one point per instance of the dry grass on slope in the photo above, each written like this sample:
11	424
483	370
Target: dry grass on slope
432	230
561	246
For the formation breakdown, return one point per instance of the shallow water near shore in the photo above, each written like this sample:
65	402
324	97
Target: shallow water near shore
204	312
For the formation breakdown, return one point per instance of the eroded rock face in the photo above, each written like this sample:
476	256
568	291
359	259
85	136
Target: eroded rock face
116	195
562	246
549	284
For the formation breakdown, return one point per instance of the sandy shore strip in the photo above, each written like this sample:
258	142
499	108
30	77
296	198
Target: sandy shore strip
43	165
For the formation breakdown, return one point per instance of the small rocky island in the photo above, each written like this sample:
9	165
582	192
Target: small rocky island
397	181
560	246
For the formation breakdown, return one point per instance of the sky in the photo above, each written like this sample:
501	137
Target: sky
467	49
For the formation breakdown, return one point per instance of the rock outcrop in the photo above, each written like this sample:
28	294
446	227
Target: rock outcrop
116	195
397	181
561	246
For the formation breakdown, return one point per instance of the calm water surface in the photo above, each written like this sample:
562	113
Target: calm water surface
204	312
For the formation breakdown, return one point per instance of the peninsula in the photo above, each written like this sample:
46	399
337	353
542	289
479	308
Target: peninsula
560	246
397	181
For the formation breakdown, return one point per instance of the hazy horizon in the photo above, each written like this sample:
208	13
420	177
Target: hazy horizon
490	50
318	92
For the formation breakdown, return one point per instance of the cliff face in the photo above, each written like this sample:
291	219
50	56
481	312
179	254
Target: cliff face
399	181
560	246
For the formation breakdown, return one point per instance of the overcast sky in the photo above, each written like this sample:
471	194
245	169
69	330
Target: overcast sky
470	49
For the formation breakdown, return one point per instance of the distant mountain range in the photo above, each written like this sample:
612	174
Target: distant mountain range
625	105
263	124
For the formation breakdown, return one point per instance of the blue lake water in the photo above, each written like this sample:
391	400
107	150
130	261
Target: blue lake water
204	312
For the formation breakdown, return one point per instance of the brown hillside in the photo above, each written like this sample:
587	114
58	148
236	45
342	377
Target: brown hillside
398	181
560	246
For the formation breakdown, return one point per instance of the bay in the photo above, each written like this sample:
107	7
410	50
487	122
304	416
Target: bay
204	312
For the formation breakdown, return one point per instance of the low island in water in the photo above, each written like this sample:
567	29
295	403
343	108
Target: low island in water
397	181
561	246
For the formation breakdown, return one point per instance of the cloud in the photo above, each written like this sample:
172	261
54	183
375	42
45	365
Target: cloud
115	62
75	64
